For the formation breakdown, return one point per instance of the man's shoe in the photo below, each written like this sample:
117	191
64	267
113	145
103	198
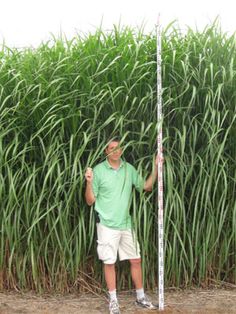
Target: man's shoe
114	307
145	303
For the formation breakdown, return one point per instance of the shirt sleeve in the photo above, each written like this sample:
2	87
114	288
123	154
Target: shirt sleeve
138	180
95	183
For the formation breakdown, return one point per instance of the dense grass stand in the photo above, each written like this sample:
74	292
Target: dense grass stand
160	173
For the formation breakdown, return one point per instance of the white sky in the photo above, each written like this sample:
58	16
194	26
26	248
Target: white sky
28	22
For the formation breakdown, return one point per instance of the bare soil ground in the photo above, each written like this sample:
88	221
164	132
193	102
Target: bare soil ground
199	301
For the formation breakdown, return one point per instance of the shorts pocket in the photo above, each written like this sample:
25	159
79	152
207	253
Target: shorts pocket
105	252
102	250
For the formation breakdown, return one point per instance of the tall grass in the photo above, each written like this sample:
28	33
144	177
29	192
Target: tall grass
58	105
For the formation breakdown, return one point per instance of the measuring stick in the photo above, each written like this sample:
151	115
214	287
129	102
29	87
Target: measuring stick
160	174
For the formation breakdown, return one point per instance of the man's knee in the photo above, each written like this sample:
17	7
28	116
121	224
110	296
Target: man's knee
135	261
108	265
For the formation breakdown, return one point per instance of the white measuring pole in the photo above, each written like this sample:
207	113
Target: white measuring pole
160	173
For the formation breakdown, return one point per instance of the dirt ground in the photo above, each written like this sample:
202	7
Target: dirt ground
176	301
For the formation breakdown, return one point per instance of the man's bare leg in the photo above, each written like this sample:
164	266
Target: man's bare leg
110	276
136	272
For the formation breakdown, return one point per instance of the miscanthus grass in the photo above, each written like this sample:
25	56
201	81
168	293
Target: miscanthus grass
58	105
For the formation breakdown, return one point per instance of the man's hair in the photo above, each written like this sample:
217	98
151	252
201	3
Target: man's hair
113	139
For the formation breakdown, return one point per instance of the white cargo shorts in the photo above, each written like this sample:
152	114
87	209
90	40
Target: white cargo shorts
110	241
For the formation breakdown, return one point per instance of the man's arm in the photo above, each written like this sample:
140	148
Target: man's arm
89	195
148	185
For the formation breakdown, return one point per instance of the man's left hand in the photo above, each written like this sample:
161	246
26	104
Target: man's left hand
159	158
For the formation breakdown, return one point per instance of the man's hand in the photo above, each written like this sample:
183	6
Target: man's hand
159	158
89	175
148	185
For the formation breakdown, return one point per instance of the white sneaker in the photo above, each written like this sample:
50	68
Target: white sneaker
114	307
146	303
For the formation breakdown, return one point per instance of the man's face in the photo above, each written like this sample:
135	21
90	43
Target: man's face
114	151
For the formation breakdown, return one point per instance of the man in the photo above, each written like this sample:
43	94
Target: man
109	186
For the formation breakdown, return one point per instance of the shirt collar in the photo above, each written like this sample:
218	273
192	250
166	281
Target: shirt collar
110	167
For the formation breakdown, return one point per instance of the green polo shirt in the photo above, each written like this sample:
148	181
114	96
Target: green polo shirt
113	191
